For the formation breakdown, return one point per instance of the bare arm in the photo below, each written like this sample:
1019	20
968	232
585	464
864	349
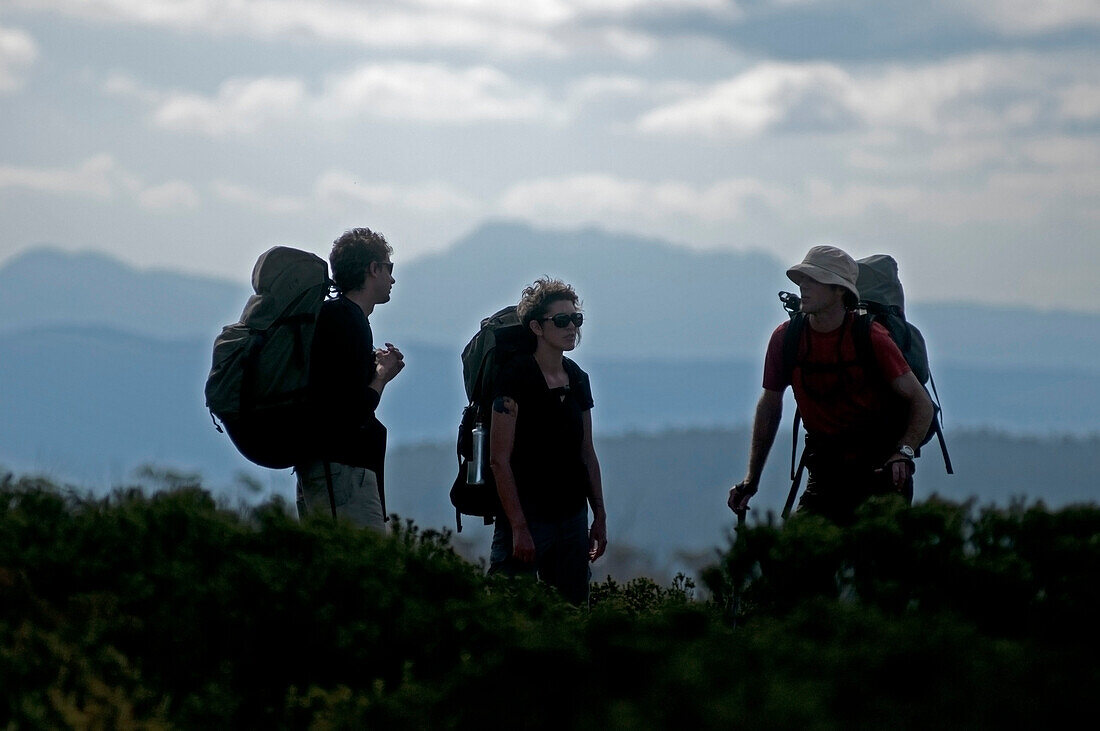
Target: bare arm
501	440
921	413
598	532
765	425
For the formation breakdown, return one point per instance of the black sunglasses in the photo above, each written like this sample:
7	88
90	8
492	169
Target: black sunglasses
562	319
387	264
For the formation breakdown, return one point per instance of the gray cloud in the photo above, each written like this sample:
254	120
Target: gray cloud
973	95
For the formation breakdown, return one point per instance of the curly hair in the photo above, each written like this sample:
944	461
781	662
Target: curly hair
539	295
352	254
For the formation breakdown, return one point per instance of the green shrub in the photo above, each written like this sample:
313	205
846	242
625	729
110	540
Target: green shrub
166	610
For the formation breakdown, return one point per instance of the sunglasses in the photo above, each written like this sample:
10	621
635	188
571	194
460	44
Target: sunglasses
562	319
387	265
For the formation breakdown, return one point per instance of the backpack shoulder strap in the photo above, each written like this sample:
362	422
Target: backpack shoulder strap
861	337
792	338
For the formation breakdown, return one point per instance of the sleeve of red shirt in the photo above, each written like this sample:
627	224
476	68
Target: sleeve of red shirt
891	362
775	377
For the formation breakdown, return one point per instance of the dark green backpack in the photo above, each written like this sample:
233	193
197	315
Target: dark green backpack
258	382
882	300
500	338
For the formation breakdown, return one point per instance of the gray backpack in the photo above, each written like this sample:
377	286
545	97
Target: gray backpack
259	381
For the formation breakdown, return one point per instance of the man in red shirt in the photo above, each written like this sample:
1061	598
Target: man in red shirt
864	416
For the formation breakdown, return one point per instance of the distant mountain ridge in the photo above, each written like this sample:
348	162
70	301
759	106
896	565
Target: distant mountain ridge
92	401
93	385
48	287
645	298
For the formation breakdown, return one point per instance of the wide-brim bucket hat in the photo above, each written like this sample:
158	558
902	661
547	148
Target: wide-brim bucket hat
828	265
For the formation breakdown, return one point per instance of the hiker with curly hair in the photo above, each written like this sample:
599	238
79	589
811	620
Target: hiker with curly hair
347	377
542	455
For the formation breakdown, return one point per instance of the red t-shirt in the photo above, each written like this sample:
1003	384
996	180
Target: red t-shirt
834	394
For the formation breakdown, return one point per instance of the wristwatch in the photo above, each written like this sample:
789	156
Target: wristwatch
906	451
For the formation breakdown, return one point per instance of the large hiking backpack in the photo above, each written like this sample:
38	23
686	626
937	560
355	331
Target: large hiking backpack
501	338
258	383
882	300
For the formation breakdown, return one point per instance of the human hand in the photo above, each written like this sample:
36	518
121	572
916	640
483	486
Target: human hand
740	494
597	538
523	545
388	362
901	468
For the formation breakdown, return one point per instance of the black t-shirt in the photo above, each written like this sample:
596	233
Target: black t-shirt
551	479
342	365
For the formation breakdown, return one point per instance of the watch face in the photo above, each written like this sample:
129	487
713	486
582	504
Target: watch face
906	450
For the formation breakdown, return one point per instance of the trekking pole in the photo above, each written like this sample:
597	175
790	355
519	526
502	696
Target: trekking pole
733	608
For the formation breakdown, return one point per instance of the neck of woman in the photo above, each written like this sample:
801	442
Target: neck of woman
549	358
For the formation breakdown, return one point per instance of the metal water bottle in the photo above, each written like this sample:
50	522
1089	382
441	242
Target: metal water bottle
475	474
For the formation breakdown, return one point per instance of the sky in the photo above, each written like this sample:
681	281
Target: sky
963	136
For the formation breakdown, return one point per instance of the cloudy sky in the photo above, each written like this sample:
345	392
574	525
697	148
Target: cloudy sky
962	135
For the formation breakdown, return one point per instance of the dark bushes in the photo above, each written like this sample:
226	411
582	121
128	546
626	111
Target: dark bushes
164	610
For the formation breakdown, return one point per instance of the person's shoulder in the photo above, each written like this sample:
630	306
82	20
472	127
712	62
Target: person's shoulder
579	381
572	369
337	307
779	334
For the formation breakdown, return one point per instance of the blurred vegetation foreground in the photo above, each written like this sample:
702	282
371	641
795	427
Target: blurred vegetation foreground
168	611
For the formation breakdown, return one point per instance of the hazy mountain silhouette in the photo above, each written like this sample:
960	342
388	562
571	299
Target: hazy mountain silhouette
93	402
102	369
643	297
49	287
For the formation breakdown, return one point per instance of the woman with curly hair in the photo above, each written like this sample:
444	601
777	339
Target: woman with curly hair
542	455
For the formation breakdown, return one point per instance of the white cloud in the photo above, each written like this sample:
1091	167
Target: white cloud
172	196
338	188
594	89
1023	17
954	156
124	85
602	87
430	93
1001	197
594	198
17	52
241	106
425	92
1081	102
1064	153
828	200
100	177
754	101
970	95
246	197
96	177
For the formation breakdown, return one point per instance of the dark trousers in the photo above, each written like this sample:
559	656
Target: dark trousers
561	554
839	483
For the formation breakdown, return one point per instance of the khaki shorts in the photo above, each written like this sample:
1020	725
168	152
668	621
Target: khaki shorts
355	490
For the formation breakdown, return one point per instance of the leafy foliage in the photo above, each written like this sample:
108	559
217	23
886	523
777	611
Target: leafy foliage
166	610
